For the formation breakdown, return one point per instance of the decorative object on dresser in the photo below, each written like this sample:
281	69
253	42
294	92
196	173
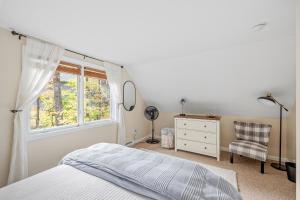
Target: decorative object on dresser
182	102
252	141
198	134
271	101
151	113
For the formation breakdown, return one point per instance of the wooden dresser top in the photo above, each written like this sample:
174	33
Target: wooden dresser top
199	117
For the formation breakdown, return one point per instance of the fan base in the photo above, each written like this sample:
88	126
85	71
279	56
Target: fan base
152	141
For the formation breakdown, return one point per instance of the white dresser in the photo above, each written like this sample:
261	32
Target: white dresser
198	134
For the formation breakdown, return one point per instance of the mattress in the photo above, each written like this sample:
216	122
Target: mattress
67	183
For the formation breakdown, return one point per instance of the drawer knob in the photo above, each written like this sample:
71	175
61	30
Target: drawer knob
204	126
184	144
205	137
184	124
184	134
205	148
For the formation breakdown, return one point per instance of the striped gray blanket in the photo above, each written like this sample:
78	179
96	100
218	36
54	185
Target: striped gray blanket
153	175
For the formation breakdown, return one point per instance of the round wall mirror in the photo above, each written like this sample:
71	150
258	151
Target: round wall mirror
129	95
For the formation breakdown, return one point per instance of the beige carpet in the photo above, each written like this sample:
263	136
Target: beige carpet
273	185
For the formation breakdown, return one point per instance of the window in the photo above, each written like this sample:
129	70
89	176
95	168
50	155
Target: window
96	95
75	95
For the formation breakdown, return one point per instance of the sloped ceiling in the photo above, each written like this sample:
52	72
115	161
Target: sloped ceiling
203	50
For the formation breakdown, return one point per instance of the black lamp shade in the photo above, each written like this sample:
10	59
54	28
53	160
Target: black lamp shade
267	100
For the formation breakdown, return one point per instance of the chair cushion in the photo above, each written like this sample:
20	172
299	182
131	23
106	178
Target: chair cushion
249	149
254	132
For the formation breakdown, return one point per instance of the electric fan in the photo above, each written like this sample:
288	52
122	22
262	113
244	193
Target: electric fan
151	113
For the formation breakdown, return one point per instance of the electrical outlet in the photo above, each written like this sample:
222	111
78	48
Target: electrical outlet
134	131
134	135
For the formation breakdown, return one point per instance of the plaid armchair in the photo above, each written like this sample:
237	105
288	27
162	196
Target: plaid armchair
251	141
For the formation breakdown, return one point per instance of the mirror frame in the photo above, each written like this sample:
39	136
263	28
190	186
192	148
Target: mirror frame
134	95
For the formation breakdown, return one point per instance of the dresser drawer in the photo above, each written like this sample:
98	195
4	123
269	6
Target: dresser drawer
197	136
197	147
181	123
201	125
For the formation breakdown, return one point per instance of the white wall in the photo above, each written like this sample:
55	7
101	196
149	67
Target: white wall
10	54
46	153
136	119
291	133
298	99
225	81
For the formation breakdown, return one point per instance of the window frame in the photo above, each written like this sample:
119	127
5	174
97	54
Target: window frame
65	129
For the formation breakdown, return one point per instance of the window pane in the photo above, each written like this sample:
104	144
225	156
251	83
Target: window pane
57	105
96	99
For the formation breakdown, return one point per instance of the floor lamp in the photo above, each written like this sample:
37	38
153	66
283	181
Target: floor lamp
270	100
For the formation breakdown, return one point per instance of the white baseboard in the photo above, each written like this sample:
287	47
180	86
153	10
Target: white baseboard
131	143
270	157
226	149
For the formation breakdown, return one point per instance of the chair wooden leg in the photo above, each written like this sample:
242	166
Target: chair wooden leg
231	157
262	167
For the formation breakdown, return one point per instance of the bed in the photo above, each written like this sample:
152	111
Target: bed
82	177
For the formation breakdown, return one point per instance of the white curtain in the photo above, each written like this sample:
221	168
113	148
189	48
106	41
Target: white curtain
39	62
114	77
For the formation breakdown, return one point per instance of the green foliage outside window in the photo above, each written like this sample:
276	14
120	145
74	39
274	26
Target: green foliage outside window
58	104
96	99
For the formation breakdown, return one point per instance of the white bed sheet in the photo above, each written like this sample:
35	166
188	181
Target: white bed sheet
67	183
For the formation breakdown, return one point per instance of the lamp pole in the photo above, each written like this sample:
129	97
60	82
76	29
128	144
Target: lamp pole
279	166
280	135
270	99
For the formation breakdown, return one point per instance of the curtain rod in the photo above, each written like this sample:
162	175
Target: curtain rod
20	35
